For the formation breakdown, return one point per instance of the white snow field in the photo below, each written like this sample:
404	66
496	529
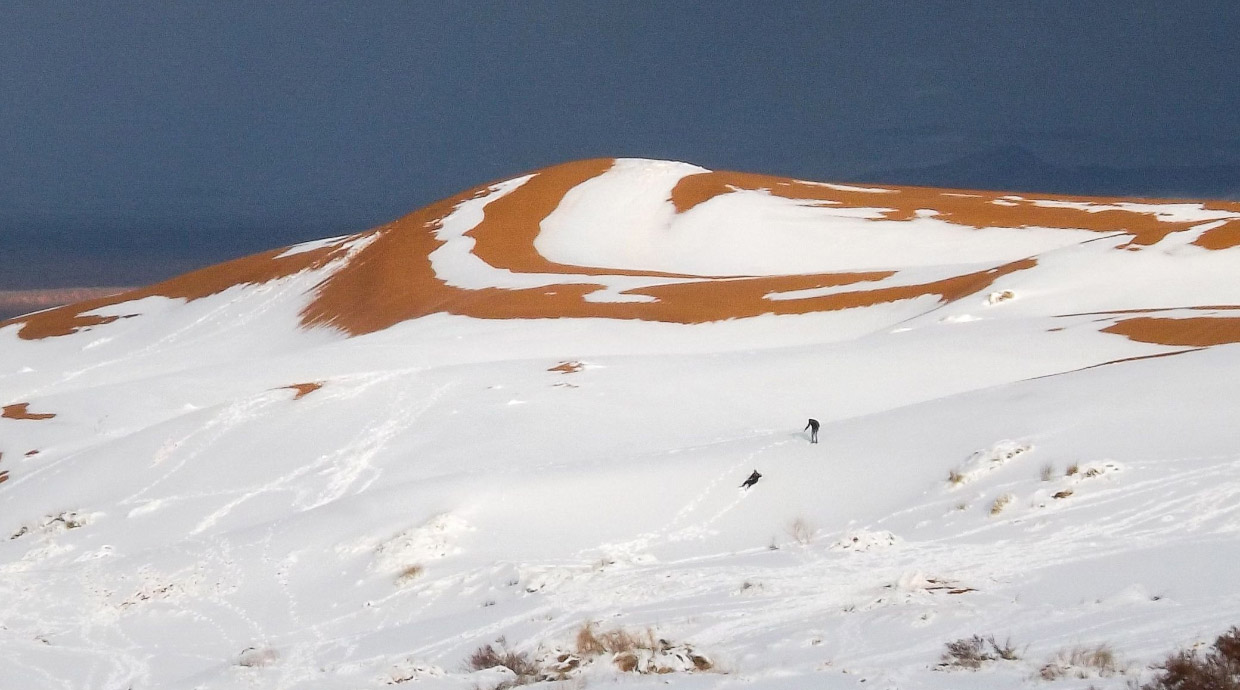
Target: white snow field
352	463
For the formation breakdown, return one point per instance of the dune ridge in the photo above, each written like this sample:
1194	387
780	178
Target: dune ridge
371	281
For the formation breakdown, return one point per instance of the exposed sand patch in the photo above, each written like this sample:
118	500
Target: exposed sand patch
18	411
510	224
304	389
390	278
256	269
1224	236
4	477
976	209
1197	331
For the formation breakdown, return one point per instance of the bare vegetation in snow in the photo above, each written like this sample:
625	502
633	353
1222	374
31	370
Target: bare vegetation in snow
970	653
1216	669
1082	662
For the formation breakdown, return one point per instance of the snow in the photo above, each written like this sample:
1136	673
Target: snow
311	246
1167	212
625	219
187	523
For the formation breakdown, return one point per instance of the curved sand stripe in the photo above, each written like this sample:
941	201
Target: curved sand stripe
980	209
1195	331
255	269
389	277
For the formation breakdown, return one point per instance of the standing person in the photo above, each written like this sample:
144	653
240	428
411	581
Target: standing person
813	430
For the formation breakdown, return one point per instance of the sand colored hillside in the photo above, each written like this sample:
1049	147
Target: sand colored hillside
648	232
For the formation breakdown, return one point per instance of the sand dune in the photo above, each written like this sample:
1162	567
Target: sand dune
361	461
478	253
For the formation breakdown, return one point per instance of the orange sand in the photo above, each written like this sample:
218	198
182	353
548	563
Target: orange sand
391	279
1224	236
1198	331
18	411
256	269
304	389
963	207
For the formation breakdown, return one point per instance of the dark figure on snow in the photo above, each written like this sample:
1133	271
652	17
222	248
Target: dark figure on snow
813	430
753	479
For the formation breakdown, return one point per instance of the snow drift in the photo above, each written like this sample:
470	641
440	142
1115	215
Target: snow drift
525	411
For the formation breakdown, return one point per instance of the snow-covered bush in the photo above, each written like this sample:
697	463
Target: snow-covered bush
499	655
640	652
629	652
971	652
257	657
1082	662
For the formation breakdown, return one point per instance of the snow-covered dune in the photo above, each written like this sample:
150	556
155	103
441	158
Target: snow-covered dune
529	408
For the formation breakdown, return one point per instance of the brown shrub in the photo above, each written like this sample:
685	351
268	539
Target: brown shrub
1217	669
498	654
967	652
640	652
592	643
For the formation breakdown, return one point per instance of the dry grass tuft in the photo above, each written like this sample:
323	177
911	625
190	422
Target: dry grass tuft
498	654
630	652
1217	669
1082	662
1048	472
593	643
410	574
640	652
802	531
1005	651
955	478
1000	503
1072	470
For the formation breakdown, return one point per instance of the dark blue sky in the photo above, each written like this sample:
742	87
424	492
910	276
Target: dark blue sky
141	139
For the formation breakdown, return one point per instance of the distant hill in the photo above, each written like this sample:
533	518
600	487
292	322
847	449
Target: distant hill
1016	169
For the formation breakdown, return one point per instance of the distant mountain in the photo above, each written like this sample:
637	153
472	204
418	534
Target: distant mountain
17	302
1017	169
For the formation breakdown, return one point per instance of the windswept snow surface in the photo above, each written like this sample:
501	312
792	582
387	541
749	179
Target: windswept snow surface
206	493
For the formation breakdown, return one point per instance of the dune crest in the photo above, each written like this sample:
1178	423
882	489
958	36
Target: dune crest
488	252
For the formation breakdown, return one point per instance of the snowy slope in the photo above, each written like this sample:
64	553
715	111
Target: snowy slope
350	463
